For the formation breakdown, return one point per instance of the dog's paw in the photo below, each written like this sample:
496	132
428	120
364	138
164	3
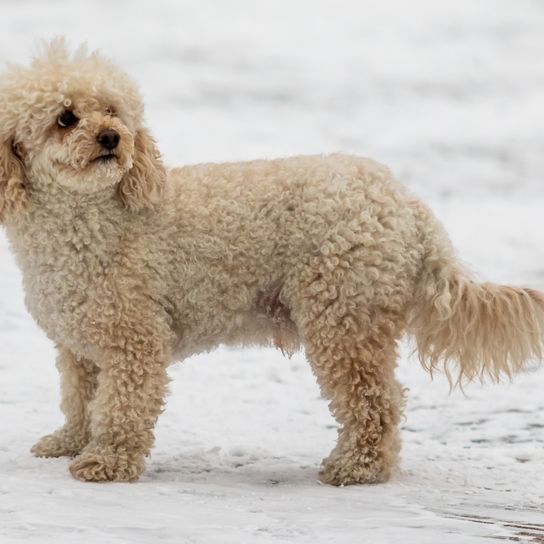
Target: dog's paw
352	469
107	466
59	444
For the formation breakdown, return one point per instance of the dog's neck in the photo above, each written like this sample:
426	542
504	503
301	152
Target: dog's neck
56	200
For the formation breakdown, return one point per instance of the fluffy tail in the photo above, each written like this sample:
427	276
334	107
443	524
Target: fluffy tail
487	329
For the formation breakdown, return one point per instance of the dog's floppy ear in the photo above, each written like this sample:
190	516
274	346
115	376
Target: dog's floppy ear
143	185
13	197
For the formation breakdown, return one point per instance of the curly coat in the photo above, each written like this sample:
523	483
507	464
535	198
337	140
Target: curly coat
129	266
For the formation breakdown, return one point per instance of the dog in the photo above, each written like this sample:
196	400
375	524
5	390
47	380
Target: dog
129	266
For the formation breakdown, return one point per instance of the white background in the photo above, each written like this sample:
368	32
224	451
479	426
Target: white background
450	96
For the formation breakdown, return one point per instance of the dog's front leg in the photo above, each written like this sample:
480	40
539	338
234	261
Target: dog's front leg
78	386
131	388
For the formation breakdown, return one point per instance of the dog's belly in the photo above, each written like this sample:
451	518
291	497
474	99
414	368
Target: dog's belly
250	316
243	330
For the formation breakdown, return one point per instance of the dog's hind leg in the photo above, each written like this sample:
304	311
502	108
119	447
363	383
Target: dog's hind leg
78	386
351	346
356	373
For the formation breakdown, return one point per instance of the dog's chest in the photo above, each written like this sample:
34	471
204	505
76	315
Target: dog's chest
63	269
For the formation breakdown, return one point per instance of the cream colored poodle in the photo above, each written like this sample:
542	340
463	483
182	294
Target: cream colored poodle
129	266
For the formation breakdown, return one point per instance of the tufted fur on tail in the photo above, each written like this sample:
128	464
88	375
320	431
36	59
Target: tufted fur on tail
487	329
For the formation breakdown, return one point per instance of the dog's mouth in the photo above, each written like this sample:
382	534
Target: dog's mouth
108	157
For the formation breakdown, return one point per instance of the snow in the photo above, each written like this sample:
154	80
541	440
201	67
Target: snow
449	95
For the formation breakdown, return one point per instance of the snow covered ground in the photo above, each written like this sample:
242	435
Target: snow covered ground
450	95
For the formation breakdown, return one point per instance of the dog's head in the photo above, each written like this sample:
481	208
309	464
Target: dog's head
74	121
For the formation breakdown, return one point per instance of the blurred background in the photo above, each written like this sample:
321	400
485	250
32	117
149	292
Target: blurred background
451	96
447	93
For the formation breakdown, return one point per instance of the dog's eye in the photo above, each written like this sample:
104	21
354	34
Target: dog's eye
67	119
110	111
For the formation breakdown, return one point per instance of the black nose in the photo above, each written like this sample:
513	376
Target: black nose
108	139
